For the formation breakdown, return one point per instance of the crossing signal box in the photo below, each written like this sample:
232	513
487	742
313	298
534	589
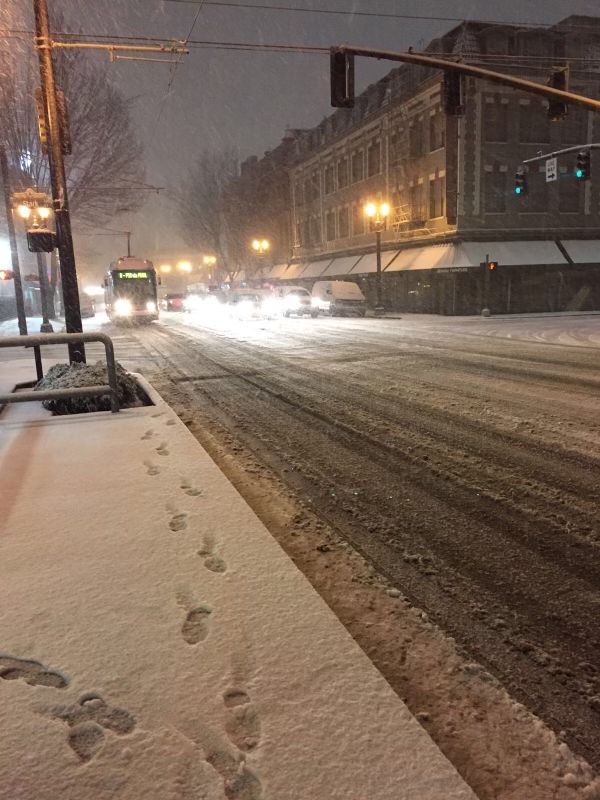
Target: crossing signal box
41	241
583	168
520	182
6	274
342	78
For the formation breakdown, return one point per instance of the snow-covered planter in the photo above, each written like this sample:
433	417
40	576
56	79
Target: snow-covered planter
68	376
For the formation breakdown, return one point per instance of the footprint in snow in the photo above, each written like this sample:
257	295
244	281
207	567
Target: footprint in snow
162	449
195	627
152	469
88	719
32	672
148	435
212	561
242	724
178	522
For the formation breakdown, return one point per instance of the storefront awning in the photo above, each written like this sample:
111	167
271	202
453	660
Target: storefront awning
316	268
341	266
471	254
278	271
583	251
368	262
294	270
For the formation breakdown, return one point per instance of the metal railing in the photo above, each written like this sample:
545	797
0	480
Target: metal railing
62	394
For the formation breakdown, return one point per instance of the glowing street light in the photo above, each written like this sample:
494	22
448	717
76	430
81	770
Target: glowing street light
24	211
261	246
377	213
209	261
165	268
184	266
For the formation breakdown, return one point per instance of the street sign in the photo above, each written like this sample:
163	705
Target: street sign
551	170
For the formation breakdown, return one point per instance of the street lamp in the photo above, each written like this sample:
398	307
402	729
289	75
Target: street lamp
184	266
34	209
377	213
165	268
209	261
261	246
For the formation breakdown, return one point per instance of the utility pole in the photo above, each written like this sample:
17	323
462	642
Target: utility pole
128	234
14	253
58	179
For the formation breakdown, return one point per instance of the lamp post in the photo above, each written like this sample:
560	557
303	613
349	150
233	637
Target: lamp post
261	247
34	209
377	213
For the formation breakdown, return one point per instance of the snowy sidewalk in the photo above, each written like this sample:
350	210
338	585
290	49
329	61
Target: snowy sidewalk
156	642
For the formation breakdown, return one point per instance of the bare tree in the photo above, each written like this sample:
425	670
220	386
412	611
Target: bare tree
105	171
205	221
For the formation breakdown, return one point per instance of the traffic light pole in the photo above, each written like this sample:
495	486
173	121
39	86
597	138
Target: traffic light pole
58	179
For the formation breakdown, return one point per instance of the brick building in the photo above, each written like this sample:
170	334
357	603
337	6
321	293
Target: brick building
450	182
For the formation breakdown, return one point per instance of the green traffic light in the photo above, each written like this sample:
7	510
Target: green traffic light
518	190
579	173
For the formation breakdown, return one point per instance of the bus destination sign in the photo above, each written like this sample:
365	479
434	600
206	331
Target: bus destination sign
132	275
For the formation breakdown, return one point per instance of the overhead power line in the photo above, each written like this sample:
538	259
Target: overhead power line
375	14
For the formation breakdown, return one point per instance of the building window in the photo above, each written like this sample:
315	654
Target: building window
494	192
416	144
415	200
342	172
374	158
437	131
330	225
357	166
569	195
358	220
574	127
534	125
329	179
437	197
536	199
343	226
315	231
495	122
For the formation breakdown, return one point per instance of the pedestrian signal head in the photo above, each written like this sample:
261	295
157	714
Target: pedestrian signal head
583	169
6	275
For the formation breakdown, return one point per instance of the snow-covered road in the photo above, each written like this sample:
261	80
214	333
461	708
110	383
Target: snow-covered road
460	457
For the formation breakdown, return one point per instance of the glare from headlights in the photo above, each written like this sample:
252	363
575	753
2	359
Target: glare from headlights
123	307
151	306
271	305
293	301
245	307
315	302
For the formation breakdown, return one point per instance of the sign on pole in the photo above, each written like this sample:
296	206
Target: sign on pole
551	170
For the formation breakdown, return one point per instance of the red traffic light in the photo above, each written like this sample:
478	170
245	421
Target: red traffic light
492	265
6	274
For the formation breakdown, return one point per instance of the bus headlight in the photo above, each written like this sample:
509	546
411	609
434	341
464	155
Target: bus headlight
123	307
151	306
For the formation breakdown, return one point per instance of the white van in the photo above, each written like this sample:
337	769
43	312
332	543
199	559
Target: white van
338	298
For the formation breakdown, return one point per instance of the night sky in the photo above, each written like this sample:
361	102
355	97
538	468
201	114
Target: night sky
247	99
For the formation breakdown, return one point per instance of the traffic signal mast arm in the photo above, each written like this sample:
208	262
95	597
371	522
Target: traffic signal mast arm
472	71
576	149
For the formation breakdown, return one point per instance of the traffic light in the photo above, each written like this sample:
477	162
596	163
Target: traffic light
342	78
559	79
6	274
452	94
520	181
583	169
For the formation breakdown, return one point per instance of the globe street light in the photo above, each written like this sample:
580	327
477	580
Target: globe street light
184	266
377	214
209	261
261	246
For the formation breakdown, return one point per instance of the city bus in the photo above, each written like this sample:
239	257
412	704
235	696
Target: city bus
130	290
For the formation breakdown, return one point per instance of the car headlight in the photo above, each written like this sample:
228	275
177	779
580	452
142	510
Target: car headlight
151	306
314	301
123	307
293	302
